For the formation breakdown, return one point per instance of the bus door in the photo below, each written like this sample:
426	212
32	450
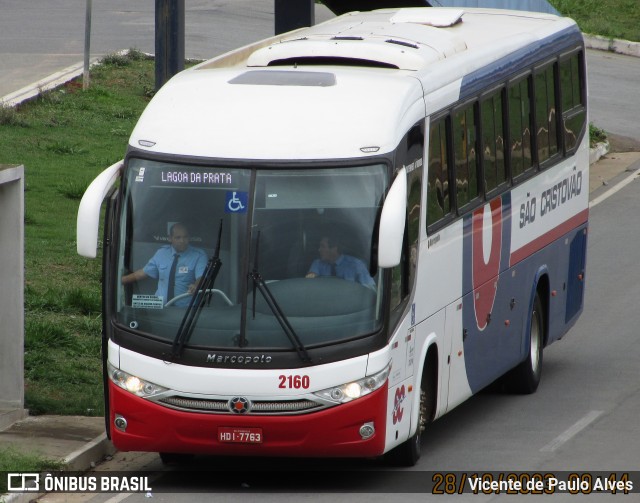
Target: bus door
455	386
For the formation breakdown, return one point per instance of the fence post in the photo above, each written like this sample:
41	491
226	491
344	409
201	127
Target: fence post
11	295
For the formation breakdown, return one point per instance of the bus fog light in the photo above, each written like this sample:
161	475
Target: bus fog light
120	422
367	430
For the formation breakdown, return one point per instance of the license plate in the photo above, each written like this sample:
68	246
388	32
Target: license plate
240	435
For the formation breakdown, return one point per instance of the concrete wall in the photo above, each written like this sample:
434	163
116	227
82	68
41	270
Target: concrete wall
11	294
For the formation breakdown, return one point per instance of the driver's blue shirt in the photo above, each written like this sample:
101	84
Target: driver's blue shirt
191	265
346	267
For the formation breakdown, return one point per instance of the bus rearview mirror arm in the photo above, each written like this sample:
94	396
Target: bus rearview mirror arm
392	222
88	222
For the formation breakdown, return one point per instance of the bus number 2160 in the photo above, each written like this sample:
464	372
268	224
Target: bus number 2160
294	381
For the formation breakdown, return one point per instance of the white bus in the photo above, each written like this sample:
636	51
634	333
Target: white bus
382	215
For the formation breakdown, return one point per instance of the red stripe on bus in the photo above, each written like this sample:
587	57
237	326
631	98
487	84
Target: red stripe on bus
549	237
332	432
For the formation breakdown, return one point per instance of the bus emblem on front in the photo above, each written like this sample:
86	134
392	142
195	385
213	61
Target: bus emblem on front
239	405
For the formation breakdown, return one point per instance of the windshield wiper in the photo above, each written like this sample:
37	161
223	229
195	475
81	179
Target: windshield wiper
260	284
203	295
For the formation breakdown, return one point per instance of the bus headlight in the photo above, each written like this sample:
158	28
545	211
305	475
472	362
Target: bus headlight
356	389
133	384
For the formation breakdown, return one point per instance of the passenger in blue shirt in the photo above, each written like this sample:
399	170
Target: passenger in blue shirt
333	262
189	267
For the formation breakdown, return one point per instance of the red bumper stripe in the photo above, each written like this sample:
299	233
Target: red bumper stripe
331	432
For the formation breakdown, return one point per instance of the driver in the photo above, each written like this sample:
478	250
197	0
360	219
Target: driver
177	267
333	262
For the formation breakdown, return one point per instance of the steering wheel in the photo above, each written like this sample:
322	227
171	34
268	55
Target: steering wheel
213	291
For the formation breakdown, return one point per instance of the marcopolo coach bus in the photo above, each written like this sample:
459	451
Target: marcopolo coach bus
324	241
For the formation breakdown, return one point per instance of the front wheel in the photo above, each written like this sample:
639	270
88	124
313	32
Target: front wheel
525	377
408	452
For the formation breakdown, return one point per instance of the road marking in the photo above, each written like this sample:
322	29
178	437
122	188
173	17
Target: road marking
118	498
615	188
572	431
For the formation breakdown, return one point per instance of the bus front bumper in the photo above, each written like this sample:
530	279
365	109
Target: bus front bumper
333	432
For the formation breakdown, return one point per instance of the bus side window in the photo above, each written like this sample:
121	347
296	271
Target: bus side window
573	102
520	127
545	114
465	154
493	160
409	155
438	197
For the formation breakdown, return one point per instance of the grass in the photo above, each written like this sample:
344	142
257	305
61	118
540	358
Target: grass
11	460
64	138
608	18
596	135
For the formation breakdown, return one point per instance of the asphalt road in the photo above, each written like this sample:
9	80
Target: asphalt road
613	93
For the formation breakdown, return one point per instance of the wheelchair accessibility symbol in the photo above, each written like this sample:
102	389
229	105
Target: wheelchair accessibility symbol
236	202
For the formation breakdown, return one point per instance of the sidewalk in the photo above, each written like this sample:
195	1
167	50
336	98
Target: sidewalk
78	441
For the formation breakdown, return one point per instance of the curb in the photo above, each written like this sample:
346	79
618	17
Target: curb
597	152
625	47
80	460
51	82
46	84
89	454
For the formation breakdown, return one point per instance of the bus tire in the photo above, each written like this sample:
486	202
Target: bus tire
524	379
408	452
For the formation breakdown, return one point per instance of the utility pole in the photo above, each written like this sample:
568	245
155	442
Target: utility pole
293	14
170	21
87	45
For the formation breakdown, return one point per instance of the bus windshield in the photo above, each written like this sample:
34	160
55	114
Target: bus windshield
295	247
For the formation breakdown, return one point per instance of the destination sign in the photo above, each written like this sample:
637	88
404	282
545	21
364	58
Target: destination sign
196	177
184	177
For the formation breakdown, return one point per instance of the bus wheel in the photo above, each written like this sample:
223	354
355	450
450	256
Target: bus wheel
174	458
525	377
408	452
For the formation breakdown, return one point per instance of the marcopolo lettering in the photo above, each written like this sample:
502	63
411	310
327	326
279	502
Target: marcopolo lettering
238	359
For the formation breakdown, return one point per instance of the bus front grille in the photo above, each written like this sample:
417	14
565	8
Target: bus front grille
262	407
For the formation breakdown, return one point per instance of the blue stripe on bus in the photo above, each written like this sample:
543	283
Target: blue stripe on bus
492	350
518	61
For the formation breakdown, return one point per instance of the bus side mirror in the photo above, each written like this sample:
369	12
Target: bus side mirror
392	222
88	222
